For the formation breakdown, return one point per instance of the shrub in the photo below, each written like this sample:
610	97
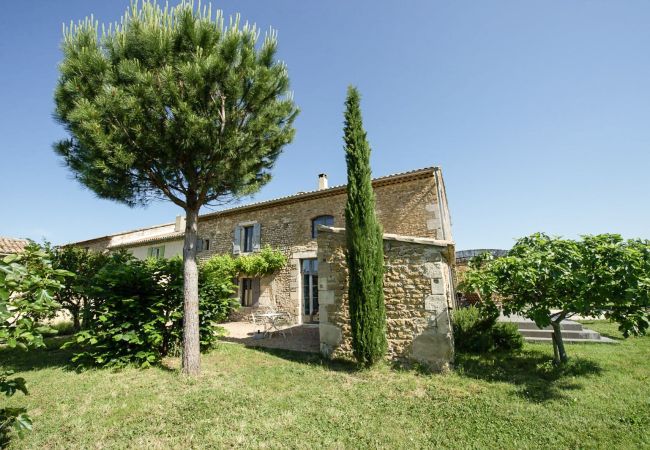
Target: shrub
506	336
63	328
136	313
28	283
215	295
77	297
140	316
476	331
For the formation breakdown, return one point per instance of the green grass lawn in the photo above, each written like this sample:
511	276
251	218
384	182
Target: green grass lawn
254	398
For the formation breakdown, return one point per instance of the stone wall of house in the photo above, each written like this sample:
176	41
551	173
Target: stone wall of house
409	207
418	294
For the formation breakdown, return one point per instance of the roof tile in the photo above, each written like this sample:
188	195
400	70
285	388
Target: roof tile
9	245
394	177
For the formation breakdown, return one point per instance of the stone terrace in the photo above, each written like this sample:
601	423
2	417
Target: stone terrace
300	338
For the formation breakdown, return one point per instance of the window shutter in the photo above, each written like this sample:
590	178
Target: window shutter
256	291
149	252
162	252
199	245
256	237
236	243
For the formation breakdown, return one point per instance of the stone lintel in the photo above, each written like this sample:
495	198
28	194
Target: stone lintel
304	255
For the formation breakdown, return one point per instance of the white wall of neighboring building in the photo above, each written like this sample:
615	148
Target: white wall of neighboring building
172	248
124	238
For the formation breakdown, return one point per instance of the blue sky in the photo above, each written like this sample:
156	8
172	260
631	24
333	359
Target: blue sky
538	112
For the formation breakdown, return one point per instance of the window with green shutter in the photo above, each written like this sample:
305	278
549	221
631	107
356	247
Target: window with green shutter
156	252
202	245
247	238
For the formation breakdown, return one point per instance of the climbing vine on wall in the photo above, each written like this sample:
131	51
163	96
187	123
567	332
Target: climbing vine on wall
266	262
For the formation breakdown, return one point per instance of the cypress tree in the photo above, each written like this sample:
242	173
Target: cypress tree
365	251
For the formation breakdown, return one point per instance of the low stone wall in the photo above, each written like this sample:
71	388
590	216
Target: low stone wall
418	295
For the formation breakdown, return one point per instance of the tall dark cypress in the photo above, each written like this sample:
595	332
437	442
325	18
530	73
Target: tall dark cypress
365	251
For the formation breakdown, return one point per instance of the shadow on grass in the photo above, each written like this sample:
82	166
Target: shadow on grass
531	371
38	358
54	356
298	338
312	359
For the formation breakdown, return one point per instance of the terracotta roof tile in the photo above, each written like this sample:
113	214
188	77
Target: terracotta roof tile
146	240
386	179
11	245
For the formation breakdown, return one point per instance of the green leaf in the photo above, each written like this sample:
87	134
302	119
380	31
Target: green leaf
10	258
23	423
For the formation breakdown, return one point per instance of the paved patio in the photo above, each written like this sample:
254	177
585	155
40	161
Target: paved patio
301	338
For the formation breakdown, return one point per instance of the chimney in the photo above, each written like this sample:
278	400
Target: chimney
322	181
180	224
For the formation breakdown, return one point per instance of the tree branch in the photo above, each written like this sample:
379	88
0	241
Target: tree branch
163	187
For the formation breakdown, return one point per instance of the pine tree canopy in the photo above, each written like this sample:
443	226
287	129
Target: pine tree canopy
172	103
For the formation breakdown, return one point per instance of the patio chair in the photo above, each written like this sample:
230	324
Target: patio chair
260	321
284	323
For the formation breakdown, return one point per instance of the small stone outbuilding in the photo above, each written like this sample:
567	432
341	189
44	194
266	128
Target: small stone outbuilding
418	293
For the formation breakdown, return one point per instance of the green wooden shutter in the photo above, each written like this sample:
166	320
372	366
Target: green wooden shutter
236	242
257	234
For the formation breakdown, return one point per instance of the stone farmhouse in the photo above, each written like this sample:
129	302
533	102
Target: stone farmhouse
412	208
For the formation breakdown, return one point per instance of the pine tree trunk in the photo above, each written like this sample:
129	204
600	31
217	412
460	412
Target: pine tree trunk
76	323
560	352
191	362
87	313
